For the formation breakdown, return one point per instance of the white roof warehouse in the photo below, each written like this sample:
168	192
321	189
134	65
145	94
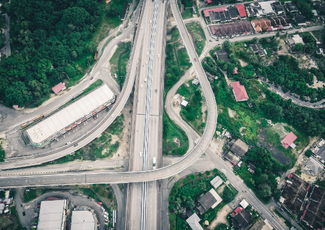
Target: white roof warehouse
69	117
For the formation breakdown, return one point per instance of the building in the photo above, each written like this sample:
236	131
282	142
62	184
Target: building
184	103
294	193
241	219
267	8
216	182
320	48
52	127
300	19
274	23
290	7
239	91
232	158
52	215
258	49
277	7
314	211
58	88
244	203
193	222
208	12
238	147
313	167
321	153
195	81
251	168
83	220
209	1
241	10
234	14
231	29
208	200
288	140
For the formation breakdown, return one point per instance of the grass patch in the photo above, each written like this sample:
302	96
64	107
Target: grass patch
39	102
197	32
318	34
320	183
175	140
174	35
188	13
119	62
193	111
33	193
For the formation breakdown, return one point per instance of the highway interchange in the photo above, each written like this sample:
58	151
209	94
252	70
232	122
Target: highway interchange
137	73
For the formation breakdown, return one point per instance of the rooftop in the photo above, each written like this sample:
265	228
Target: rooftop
216	182
239	91
288	140
291	7
83	220
193	221
218	9
67	116
209	200
56	89
239	147
313	167
242	219
294	193
51	215
232	158
241	9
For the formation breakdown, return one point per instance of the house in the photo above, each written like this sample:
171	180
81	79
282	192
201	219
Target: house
238	147
294	193
288	140
237	210
267	8
52	215
290	7
232	158
234	14
208	200
244	203
251	168
321	153
241	220
239	91
58	88
300	19
314	210
216	182
184	103
241	10
258	49
320	48
193	222
195	81
313	167
277	7
209	1
207	13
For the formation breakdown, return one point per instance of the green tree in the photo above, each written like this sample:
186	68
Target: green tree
192	177
264	190
308	153
273	111
298	47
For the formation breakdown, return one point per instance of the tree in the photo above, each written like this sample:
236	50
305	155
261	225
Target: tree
298	47
264	190
192	177
185	181
264	178
273	111
308	153
277	194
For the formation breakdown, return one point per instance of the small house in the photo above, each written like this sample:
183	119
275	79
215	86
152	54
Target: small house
208	200
288	140
239	91
193	222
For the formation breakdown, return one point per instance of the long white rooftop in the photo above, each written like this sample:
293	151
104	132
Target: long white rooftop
72	113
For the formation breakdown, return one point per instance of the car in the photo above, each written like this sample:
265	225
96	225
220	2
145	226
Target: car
68	143
91	78
297	31
75	145
210	41
99	203
24	213
195	59
37	206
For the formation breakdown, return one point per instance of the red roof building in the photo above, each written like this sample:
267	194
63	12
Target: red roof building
206	12
288	140
242	11
239	91
238	210
209	1
56	89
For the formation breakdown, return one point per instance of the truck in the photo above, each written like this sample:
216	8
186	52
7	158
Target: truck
154	163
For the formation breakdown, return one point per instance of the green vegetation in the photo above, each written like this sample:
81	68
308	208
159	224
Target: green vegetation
320	183
184	195
105	192
221	227
33	193
101	147
2	152
119	62
188	13
52	41
12	221
308	153
263	181
305	7
197	33
177	60
175	140
288	223
193	111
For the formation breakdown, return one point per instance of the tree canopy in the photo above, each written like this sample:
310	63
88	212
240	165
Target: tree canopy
47	37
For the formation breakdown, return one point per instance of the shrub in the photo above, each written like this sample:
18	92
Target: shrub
308	153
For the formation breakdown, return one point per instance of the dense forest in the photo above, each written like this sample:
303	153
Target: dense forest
50	42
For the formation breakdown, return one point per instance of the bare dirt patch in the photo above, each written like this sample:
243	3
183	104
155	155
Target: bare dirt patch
317	84
242	63
232	113
242	131
217	144
221	217
176	141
